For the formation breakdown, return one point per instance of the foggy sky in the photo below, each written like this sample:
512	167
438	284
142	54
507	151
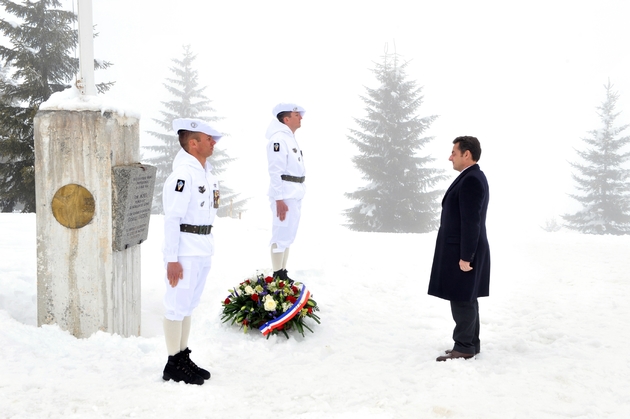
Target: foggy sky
525	78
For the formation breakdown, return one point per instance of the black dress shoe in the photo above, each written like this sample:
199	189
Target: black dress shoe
448	351
454	355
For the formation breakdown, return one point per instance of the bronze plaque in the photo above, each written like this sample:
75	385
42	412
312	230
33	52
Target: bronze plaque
73	206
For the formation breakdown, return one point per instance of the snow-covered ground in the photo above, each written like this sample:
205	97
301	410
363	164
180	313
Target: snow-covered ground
555	332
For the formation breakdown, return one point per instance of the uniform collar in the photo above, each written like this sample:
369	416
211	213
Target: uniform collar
183	158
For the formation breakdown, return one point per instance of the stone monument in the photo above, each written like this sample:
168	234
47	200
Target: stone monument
93	207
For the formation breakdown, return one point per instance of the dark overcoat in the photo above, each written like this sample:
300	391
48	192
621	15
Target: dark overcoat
462	235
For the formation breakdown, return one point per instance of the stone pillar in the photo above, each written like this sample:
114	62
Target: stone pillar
84	283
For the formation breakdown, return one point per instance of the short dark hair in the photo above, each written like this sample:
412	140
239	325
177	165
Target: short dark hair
283	115
471	144
185	136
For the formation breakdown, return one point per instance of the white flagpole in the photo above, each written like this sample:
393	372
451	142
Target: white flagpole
86	49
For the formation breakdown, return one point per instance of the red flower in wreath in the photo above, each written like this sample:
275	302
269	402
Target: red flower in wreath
244	305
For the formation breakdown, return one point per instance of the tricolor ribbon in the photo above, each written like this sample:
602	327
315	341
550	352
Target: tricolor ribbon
278	322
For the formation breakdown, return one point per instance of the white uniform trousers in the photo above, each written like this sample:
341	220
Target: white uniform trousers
179	302
283	232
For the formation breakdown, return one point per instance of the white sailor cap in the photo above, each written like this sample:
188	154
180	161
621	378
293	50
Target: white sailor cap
196	125
288	107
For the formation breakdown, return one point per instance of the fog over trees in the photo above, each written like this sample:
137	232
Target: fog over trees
189	101
602	177
38	62
400	194
537	93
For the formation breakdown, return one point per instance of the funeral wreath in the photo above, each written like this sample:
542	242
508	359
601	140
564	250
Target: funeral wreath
270	305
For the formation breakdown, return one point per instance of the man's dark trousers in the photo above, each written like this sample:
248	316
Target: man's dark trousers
466	332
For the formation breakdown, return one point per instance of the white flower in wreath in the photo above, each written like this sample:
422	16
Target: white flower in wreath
259	288
249	290
285	306
270	304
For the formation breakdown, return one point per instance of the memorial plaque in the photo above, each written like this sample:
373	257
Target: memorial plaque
73	206
132	198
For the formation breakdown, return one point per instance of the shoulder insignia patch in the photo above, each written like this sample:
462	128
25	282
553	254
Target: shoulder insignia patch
276	147
179	186
202	189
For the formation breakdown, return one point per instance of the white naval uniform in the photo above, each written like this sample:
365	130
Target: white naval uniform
284	157
190	196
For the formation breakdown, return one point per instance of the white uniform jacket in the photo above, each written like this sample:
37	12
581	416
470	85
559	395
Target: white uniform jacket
284	157
190	196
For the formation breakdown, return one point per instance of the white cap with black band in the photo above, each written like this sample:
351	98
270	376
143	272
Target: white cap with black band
196	125
288	107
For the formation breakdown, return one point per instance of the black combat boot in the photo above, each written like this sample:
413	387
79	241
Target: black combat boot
205	374
286	276
177	369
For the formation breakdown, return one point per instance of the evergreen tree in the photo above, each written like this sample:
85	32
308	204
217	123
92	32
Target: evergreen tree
189	102
39	64
399	196
603	179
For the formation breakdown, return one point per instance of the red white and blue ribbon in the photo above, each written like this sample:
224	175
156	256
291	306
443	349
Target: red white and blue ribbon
278	322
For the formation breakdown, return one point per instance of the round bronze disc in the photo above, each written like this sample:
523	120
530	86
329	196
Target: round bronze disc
73	206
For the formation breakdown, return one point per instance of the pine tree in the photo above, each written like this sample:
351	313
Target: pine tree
189	102
39	64
399	196
603	179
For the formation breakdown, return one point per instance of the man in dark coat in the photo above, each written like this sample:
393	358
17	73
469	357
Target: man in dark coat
461	264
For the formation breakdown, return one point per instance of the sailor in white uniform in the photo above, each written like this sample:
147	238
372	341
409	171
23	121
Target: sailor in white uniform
286	182
191	199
